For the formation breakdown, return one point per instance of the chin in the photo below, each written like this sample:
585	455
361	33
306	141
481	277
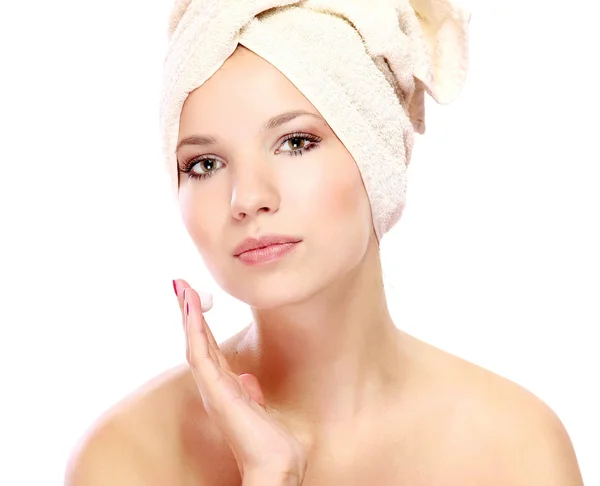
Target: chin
275	290
287	286
288	283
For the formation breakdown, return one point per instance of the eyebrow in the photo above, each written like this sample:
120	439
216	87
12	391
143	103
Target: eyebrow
273	122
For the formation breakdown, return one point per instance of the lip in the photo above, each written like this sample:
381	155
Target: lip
268	254
264	241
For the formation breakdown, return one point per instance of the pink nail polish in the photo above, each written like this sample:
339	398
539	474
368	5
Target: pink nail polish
175	288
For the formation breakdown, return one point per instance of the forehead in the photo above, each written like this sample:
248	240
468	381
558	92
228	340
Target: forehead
245	87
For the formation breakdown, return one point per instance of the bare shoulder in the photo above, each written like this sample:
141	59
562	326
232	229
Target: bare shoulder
500	430
135	442
159	434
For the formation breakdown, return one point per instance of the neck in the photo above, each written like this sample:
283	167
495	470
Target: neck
322	361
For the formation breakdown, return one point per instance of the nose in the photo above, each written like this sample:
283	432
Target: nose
254	192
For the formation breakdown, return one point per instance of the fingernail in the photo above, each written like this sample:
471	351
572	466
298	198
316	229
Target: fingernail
175	288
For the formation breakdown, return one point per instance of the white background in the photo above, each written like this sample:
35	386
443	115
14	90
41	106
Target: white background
496	258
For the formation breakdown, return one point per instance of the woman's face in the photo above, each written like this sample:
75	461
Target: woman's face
245	179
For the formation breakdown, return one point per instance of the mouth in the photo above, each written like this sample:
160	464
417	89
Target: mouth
250	244
267	254
265	249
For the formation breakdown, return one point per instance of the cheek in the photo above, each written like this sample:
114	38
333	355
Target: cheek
199	219
338	198
204	224
343	197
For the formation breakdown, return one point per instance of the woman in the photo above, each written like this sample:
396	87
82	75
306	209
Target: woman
321	387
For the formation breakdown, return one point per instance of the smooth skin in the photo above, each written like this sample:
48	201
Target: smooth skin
322	364
263	449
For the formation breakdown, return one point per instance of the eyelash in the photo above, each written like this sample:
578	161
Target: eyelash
189	164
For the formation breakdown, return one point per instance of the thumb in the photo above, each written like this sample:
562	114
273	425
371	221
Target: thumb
252	385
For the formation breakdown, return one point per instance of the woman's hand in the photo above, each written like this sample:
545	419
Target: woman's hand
261	446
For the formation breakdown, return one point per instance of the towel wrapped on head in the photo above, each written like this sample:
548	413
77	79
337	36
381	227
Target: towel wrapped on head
365	65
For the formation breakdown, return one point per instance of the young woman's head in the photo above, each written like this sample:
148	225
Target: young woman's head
257	158
333	177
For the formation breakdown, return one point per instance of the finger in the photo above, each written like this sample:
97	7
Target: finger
196	318
179	286
251	384
206	297
211	338
200	357
215	349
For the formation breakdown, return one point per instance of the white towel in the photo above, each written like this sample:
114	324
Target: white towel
364	64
